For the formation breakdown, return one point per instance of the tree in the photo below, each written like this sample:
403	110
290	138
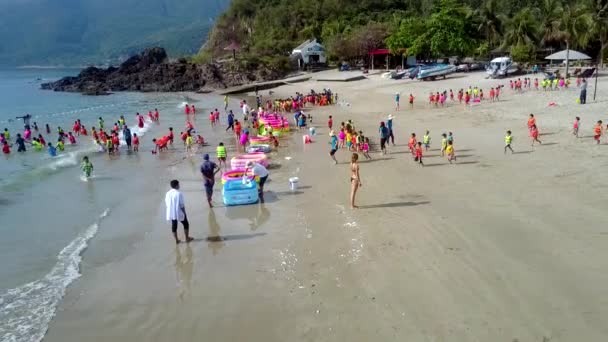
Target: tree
599	24
446	32
408	37
490	22
550	14
521	29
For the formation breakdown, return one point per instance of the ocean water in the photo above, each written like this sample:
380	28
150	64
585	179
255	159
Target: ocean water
48	213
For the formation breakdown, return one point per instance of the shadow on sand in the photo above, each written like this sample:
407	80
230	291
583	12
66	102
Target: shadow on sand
393	205
219	238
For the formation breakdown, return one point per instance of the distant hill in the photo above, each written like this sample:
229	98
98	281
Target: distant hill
79	32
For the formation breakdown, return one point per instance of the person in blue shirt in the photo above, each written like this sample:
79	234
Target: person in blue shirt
389	125
126	134
397	98
384	133
209	169
334	146
230	121
52	150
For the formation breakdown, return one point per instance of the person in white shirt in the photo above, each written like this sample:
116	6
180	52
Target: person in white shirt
176	210
245	110
259	171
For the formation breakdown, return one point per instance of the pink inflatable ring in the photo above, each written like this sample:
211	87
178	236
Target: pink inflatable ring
240	162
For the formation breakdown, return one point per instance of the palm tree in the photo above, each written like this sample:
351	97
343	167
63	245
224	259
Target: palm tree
574	25
550	13
599	24
521	29
490	22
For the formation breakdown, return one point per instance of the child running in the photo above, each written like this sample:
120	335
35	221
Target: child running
412	144
333	141
449	151
508	141
575	126
418	156
597	132
534	135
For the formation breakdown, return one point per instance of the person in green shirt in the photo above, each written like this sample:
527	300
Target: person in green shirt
100	121
426	140
109	146
86	166
508	141
60	146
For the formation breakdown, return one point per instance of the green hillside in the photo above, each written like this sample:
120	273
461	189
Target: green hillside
75	32
427	28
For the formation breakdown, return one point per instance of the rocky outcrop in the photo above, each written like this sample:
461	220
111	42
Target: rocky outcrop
150	71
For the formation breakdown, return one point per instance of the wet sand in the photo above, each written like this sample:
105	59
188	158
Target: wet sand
493	248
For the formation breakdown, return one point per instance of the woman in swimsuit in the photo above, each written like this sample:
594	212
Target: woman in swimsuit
355	179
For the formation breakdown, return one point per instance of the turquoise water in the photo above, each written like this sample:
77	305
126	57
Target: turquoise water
49	214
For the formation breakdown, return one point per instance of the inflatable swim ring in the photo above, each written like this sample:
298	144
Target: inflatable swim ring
259	140
240	162
259	148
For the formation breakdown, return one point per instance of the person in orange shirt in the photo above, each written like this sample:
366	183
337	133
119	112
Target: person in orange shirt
412	144
418	156
597	132
492	94
534	135
531	122
411	101
431	99
237	128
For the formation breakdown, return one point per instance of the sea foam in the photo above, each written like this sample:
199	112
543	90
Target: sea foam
26	311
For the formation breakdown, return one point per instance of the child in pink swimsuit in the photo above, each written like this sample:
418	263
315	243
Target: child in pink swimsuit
342	137
365	149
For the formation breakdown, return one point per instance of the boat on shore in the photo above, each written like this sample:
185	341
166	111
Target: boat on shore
502	67
431	72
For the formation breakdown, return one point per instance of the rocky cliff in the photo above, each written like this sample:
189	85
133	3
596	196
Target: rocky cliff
150	71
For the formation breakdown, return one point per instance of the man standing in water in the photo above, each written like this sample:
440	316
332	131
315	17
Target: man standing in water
26	119
209	169
230	121
126	134
176	210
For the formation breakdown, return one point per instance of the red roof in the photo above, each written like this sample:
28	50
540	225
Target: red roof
380	52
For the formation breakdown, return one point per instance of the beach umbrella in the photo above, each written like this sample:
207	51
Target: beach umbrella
568	55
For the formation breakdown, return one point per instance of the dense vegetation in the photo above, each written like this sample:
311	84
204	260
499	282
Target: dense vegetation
426	28
77	32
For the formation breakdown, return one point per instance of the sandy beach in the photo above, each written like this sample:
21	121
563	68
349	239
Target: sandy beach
491	248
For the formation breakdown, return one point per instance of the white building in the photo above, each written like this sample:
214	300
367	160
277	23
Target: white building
310	52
